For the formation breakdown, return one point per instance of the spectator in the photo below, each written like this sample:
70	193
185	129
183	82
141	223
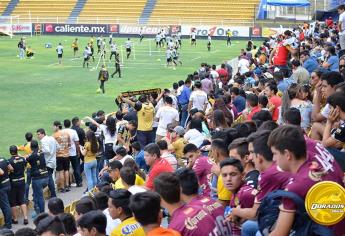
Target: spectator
164	116
238	101
331	61
55	206
274	100
300	75
93	223
308	62
166	154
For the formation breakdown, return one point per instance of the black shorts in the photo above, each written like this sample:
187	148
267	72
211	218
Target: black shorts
128	50
75	49
17	193
86	58
169	60
62	163
59	55
193	40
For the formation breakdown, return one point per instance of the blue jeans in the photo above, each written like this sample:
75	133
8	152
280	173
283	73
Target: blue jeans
144	137
249	228
5	205
90	170
27	185
37	187
184	114
51	184
75	162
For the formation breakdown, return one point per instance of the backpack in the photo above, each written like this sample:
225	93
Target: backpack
105	75
269	210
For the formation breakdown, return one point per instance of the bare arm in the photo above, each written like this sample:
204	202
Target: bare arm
126	100
271	55
246	213
316	115
284	223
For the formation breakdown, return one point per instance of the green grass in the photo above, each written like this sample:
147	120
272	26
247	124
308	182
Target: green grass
34	93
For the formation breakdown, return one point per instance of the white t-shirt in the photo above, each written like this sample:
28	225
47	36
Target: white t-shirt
59	49
326	110
214	74
166	115
243	64
193	35
198	99
125	158
107	137
194	136
111	224
171	159
136	189
342	20
74	138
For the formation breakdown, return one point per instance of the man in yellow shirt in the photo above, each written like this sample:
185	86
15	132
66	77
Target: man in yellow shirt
118	205
178	145
145	113
219	153
26	150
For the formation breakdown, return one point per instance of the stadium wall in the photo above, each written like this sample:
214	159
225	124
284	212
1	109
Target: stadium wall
123	30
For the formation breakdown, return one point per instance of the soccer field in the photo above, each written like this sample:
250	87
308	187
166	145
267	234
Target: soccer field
35	92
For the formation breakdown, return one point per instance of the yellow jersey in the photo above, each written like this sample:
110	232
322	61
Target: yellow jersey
25	148
223	193
138	181
145	117
128	227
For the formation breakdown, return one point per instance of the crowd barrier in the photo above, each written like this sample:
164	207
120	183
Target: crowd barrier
123	29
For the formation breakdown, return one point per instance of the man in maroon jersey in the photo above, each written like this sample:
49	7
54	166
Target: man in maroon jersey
309	162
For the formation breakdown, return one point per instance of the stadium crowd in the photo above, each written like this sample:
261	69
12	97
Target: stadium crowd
201	157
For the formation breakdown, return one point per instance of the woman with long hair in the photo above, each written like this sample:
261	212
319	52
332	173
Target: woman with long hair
109	134
224	104
90	163
293	97
219	120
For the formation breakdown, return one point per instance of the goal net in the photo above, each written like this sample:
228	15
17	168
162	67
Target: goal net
9	25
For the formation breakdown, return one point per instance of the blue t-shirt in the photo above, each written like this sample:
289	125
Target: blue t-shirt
310	65
139	159
249	81
184	96
240	103
334	62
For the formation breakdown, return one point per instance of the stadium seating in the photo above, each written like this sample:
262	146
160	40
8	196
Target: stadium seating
3	5
47	9
127	11
196	11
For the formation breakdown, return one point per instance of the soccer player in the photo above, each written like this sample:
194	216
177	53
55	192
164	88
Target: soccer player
59	50
147	211
243	195
158	40
168	54
309	162
99	42
110	39
178	37
209	42
21	47
117	65
163	37
228	37
29	53
193	38
91	51
118	205
128	46
141	36
113	49
103	77
175	56
86	55
75	47
200	222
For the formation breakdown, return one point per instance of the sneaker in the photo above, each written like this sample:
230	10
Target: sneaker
79	185
67	189
26	221
62	190
74	185
14	221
